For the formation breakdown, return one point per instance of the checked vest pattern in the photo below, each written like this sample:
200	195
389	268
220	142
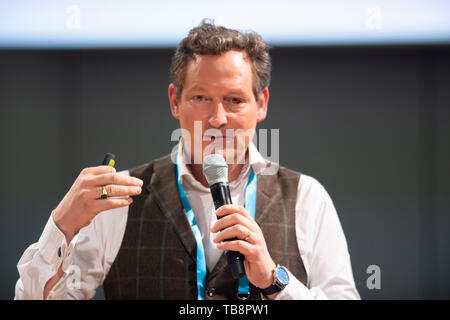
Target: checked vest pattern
157	257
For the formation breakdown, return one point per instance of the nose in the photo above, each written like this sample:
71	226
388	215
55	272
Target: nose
218	116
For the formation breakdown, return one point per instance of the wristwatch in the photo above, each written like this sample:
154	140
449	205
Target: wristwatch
281	280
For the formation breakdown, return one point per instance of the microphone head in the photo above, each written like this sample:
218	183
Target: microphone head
215	169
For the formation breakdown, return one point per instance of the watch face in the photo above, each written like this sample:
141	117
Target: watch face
282	275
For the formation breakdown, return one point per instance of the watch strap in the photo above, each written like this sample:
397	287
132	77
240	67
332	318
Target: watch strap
276	286
273	288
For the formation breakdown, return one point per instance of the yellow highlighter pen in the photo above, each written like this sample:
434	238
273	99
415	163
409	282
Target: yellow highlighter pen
109	160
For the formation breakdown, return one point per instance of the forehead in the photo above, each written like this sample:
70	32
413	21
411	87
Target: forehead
230	68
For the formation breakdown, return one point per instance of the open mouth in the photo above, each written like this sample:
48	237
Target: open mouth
217	138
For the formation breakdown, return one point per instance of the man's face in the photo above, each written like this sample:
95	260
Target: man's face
217	106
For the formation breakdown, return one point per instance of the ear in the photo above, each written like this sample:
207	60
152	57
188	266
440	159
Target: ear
262	105
174	107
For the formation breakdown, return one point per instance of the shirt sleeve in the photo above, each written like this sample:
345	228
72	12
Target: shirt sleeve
41	260
86	260
322	246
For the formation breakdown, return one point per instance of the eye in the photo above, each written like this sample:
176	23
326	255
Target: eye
198	98
236	101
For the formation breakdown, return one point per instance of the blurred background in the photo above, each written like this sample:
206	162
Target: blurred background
360	93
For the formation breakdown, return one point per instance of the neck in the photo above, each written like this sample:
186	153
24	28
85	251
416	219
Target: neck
197	171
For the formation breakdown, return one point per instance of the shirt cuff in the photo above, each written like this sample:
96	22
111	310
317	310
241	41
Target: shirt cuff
53	246
295	290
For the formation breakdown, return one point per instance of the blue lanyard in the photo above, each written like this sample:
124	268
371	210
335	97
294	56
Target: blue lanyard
250	206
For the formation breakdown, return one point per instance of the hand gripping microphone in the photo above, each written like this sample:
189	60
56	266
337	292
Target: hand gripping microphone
215	170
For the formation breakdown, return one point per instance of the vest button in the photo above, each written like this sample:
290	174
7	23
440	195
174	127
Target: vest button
211	292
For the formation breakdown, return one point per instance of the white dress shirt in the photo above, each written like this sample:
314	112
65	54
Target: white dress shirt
86	260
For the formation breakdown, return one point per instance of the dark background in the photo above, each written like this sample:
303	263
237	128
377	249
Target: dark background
371	123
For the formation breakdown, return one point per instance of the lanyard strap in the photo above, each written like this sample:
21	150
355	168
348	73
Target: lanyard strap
250	206
201	262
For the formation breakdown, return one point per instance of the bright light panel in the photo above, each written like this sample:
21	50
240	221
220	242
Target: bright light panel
138	23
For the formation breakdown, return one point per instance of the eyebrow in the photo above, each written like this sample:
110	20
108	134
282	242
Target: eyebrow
196	88
237	91
232	91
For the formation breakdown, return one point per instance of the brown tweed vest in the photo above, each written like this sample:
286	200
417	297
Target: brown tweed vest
157	258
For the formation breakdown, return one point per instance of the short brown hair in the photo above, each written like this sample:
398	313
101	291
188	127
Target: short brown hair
209	39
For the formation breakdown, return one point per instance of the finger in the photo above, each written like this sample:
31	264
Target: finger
231	220
98	170
232	208
109	204
115	191
114	179
236	231
247	249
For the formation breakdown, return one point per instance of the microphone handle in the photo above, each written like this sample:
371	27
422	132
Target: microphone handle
221	195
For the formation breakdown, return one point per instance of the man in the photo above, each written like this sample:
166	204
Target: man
147	246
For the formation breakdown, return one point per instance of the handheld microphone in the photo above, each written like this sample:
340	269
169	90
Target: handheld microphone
215	170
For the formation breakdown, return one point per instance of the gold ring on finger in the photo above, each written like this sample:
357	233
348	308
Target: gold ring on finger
248	235
104	193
